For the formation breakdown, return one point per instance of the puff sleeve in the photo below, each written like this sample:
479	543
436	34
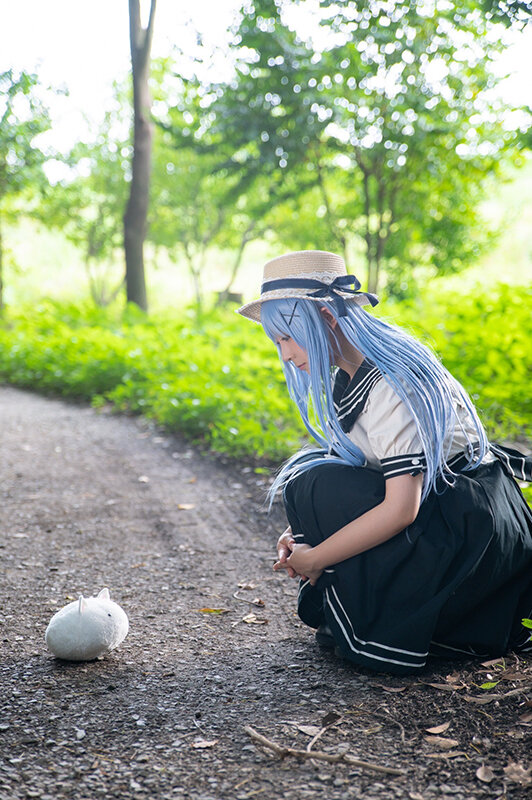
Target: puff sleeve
392	433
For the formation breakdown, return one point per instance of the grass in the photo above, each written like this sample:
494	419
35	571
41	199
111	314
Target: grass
222	384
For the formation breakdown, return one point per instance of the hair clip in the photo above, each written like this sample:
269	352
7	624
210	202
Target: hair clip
292	315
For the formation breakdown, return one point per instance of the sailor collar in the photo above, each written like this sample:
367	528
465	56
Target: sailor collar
350	395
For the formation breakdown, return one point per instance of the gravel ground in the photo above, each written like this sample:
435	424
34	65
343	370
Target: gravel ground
92	500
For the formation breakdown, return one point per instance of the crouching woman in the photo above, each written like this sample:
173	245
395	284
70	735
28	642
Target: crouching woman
407	528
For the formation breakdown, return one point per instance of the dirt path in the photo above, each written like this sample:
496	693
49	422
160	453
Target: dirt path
92	500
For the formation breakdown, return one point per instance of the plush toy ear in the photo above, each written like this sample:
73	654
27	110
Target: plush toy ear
104	594
82	605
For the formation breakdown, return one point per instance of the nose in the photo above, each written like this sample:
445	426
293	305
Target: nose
286	350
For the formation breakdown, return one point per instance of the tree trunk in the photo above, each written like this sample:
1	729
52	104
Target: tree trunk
137	206
224	294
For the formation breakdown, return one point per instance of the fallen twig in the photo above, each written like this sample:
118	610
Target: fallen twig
332	758
256	602
388	717
322	730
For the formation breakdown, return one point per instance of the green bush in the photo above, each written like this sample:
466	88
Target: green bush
222	384
484	340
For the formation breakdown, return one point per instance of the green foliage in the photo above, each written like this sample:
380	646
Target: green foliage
484	342
222	384
386	134
23	116
509	12
88	206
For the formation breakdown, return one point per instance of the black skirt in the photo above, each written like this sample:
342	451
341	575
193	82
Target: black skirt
456	581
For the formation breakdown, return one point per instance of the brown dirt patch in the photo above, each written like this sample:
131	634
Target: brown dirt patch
91	500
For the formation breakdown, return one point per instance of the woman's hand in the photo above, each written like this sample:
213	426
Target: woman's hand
285	545
302	562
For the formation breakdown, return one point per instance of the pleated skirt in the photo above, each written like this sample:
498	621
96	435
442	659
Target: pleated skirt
457	582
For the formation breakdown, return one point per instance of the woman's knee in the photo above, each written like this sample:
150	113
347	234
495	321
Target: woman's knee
333	489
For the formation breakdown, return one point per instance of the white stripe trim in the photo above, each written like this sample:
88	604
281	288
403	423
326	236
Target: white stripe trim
350	400
358	389
370	642
391	460
470	652
391	473
376	644
302	586
364	652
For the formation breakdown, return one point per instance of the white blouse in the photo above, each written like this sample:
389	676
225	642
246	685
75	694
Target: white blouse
383	427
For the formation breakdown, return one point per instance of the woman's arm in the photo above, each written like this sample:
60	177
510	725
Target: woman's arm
398	510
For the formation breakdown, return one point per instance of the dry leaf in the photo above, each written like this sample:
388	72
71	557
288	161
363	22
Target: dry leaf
330	718
450	754
247	586
526	717
214	610
453	678
494	662
485	774
202	744
258	602
513	676
252	619
415	796
442	742
516	773
387	688
309	730
445	686
481	701
185	506
439	728
144	479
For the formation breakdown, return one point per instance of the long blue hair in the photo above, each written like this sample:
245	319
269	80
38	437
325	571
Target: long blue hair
412	370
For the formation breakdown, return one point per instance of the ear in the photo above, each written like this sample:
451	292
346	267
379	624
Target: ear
82	605
104	594
328	317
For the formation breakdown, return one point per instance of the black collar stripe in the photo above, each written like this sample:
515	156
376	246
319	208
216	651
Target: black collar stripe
360	395
351	395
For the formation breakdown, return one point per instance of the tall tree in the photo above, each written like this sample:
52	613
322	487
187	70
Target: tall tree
198	204
389	119
418	132
88	207
23	116
135	218
509	12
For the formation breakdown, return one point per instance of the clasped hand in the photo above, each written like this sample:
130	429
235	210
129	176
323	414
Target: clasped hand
296	559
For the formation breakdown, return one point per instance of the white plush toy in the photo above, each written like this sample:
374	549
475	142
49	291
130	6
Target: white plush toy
87	628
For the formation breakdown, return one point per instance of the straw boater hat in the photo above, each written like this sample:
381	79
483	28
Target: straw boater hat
310	274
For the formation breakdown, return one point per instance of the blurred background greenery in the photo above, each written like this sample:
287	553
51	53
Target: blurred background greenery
376	129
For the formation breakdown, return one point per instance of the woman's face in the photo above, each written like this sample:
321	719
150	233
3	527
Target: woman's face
291	351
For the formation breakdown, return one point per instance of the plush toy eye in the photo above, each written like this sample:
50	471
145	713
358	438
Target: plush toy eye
109	615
